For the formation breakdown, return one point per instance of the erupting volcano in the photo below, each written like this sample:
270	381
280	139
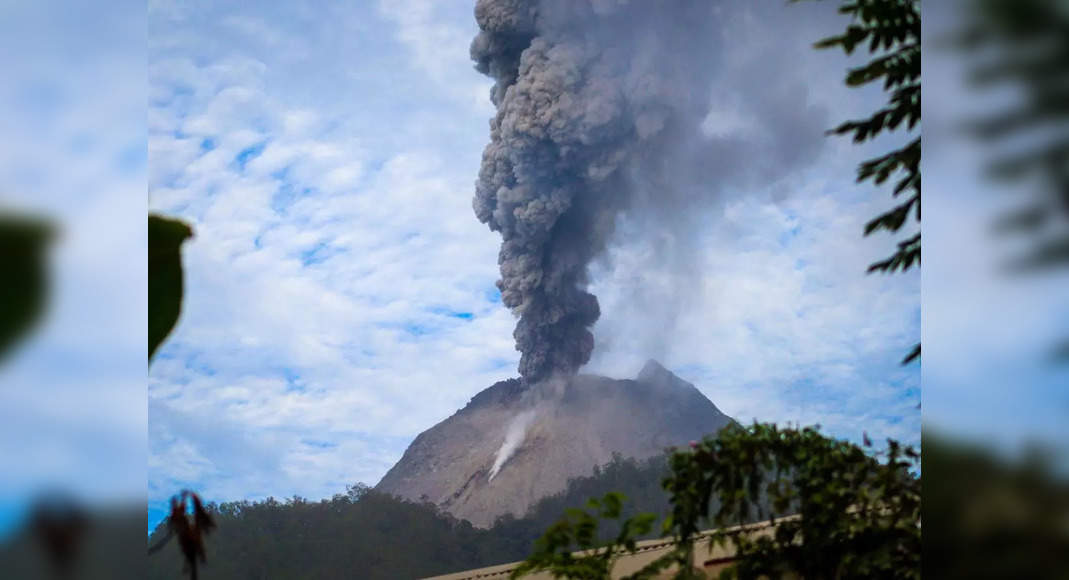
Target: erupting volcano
459	466
617	122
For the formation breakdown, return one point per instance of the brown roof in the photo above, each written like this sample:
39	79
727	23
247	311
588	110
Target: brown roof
710	561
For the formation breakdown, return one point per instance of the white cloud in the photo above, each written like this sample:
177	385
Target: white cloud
437	36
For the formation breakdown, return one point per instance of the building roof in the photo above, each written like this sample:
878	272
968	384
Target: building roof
710	561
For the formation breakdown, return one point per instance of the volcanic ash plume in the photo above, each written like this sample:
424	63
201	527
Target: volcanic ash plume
594	100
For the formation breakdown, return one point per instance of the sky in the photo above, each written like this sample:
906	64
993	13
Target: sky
340	292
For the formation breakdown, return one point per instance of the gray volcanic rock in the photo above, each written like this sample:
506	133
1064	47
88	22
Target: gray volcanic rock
560	431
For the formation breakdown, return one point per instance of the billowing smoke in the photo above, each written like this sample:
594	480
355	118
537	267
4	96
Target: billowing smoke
514	436
596	101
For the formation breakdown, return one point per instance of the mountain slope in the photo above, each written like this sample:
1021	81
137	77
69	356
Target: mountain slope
544	436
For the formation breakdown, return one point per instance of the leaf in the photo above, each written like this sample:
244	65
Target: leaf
909	253
165	238
894	219
24	292
913	355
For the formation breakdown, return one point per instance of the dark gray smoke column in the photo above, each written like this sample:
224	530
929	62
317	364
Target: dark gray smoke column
593	99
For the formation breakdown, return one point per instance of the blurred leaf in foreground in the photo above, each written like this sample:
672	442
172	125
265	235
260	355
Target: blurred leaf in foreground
165	237
60	525
24	291
990	517
1023	46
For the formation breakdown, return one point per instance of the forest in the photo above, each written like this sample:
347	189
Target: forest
374	535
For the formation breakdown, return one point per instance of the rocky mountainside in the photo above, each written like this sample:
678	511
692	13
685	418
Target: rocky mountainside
511	446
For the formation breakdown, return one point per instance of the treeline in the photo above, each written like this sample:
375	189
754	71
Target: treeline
366	534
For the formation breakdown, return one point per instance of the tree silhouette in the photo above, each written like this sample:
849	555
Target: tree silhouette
1024	44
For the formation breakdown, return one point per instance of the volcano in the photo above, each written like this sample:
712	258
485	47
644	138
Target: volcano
511	446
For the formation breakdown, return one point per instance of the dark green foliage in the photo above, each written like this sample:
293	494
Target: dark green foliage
578	530
103	546
1024	45
858	517
23	293
60	526
361	534
639	482
1027	47
165	237
988	518
366	534
851	515
913	355
891	31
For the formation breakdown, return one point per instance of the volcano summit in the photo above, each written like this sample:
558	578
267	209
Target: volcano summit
511	445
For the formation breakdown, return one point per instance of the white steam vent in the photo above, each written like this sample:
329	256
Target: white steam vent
514	436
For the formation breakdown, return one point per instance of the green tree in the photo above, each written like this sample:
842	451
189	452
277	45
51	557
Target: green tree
385	537
578	530
840	511
993	517
857	517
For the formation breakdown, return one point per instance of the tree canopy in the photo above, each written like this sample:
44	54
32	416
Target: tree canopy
856	511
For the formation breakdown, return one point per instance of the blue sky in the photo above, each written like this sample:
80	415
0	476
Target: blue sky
341	292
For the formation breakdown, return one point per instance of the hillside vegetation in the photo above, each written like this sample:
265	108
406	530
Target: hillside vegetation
363	533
